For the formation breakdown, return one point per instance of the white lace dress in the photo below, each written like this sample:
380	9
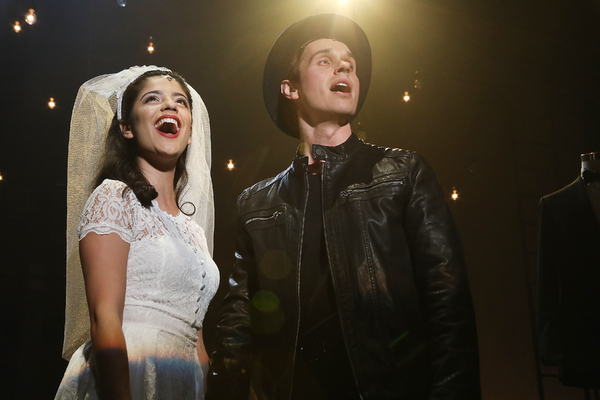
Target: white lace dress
171	279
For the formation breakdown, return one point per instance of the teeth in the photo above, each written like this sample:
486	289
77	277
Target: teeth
341	87
167	120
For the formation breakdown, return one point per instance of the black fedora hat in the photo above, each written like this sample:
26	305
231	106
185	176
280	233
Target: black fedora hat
320	26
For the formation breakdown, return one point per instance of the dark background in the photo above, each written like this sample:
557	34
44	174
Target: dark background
509	99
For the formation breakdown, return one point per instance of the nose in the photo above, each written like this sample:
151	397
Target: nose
169	104
344	66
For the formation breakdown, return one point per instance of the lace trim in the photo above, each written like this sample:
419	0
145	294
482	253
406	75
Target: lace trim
108	211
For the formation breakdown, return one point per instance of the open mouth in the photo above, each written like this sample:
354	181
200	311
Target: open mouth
168	126
340	87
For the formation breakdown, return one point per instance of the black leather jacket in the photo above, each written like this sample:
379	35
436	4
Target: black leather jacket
398	272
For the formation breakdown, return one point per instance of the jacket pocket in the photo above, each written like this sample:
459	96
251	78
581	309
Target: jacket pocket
265	219
388	187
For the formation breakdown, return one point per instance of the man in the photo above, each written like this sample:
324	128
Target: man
349	281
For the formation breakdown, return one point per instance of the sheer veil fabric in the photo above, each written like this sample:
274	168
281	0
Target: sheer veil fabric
97	102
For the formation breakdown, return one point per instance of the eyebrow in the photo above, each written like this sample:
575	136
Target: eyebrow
161	92
347	54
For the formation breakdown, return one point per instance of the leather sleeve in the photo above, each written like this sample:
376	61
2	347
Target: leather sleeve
550	245
231	362
441	279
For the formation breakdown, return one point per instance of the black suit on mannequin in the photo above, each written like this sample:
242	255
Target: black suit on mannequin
569	286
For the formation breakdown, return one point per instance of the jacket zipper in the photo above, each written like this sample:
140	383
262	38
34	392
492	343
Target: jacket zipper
300	245
347	192
275	215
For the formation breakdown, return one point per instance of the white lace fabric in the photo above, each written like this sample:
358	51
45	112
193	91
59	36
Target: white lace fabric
171	279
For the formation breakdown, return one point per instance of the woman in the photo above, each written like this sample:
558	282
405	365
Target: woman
146	264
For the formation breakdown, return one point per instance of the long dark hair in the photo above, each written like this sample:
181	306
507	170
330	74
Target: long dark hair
119	161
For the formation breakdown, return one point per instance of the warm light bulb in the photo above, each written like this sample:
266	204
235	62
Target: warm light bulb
1	176
230	165
151	46
51	103
406	97
454	195
30	17
17	27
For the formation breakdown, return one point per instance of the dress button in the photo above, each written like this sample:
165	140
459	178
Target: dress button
203	286
204	274
320	152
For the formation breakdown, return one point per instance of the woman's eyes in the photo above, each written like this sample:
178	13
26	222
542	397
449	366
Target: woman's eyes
153	98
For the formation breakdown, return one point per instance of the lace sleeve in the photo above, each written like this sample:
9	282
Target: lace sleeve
108	211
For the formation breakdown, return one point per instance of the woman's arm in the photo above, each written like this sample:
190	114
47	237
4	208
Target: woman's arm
104	262
202	357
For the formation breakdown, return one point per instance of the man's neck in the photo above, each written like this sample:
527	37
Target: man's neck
326	134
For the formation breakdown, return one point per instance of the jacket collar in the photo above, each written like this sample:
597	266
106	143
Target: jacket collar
337	153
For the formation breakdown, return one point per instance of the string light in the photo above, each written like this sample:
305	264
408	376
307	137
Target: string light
454	195
17	27
151	46
30	17
417	81
51	103
406	97
230	165
1	177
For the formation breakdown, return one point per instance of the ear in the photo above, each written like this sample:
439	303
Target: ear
126	130
288	90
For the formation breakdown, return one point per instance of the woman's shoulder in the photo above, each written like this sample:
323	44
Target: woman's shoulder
109	209
111	191
110	187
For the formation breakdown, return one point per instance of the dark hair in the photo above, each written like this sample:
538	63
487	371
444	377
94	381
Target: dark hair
293	74
119	161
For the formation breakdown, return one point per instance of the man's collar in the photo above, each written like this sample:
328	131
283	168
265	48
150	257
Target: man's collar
327	153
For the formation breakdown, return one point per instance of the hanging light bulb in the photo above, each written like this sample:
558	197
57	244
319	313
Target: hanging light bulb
406	97
30	17
51	103
454	195
230	165
122	3
1	177
417	81
151	46
17	27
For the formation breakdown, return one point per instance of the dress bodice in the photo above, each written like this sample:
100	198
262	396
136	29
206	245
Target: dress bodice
171	277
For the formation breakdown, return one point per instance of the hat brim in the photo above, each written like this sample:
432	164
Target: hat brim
320	26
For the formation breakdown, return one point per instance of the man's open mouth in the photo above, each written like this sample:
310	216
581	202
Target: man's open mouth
340	87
